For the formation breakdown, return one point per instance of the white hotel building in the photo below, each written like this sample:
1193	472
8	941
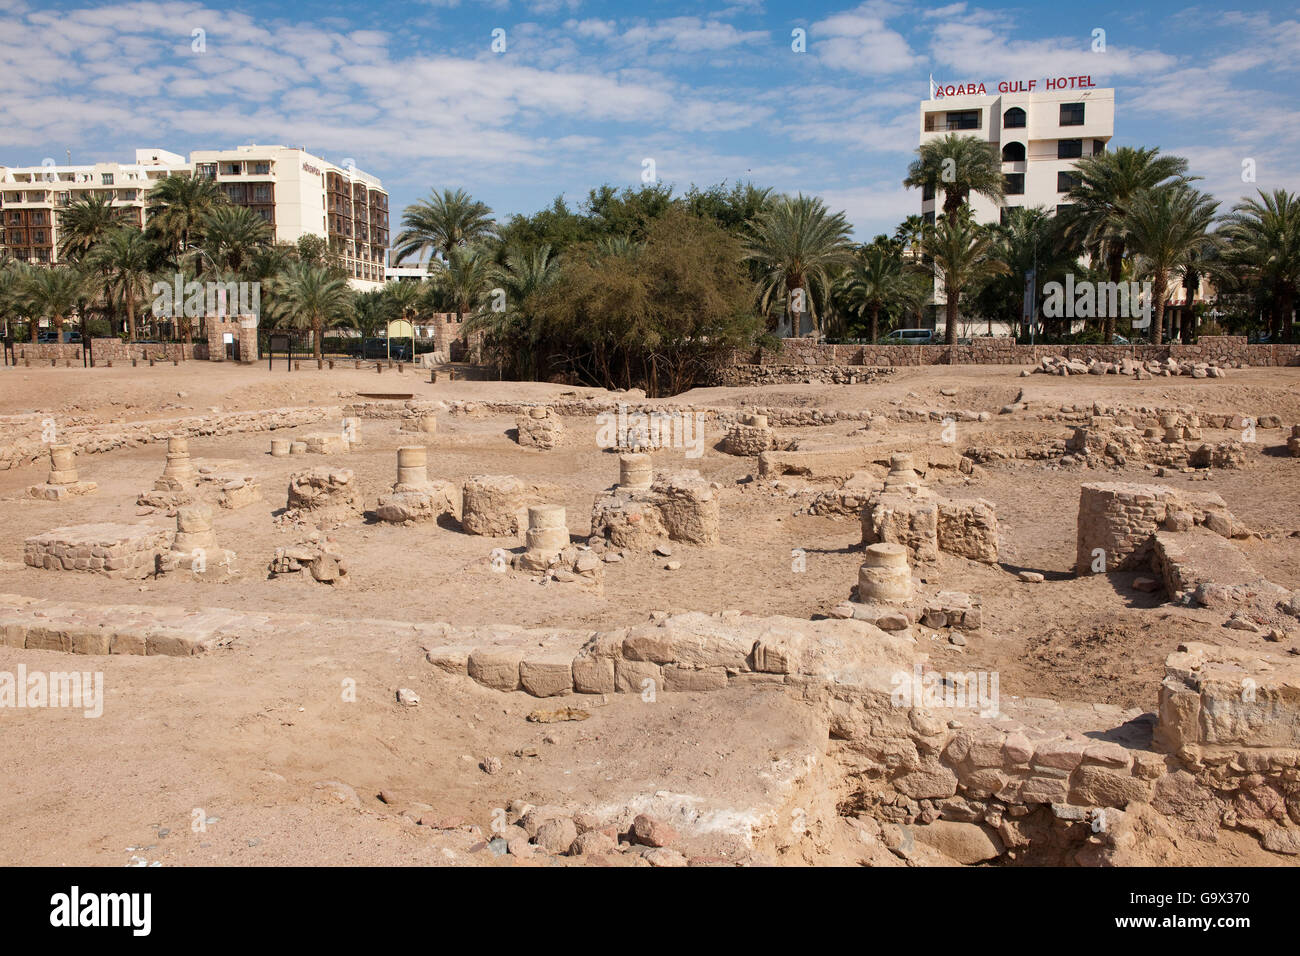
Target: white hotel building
1040	134
1040	128
298	194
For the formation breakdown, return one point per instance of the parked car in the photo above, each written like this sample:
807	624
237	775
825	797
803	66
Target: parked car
379	348
910	337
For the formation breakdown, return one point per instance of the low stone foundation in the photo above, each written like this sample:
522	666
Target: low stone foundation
115	550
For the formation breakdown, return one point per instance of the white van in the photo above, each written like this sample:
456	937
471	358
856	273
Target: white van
910	337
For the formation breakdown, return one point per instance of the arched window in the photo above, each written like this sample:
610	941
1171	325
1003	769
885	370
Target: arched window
1013	153
1013	118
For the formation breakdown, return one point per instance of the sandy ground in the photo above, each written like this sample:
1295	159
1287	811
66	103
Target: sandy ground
243	734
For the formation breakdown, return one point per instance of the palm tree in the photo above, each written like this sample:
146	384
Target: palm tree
464	277
513	331
877	279
1167	228
1030	238
1105	185
372	311
230	234
85	221
909	233
958	165
1262	246
797	243
441	223
53	292
13	290
125	257
962	253
314	298
178	205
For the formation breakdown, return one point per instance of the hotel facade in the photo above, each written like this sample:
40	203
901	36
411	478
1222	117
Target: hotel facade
295	192
1039	130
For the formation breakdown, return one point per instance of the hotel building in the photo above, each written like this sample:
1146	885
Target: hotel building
31	197
1039	133
1040	129
299	194
296	193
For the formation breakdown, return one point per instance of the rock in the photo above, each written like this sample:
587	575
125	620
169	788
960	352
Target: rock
593	842
407	697
1147	585
556	835
662	856
664	551
651	831
490	764
966	843
1031	577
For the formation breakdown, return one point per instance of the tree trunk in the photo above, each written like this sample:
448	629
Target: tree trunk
1157	323
1115	262
950	330
317	328
875	323
130	316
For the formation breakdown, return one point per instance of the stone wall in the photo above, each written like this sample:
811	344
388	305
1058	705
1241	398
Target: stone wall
23	441
830	361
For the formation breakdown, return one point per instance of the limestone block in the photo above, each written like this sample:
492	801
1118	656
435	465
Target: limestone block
968	529
493	505
894	518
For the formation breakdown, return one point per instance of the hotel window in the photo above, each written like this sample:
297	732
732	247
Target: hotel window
1069	148
966	119
1013	118
206	170
1015	184
1064	207
1065	181
1071	114
38	237
261	169
262	193
1098	147
1013	153
928	218
232	169
106	179
927	192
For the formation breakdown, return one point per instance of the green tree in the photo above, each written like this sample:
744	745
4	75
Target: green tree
441	223
230	235
463	278
125	257
512	334
878	280
316	299
963	256
663	318
52	293
797	244
178	204
1261	253
85	221
1105	186
1031	237
1167	228
958	165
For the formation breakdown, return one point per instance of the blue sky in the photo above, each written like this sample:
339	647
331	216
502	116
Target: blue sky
586	91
